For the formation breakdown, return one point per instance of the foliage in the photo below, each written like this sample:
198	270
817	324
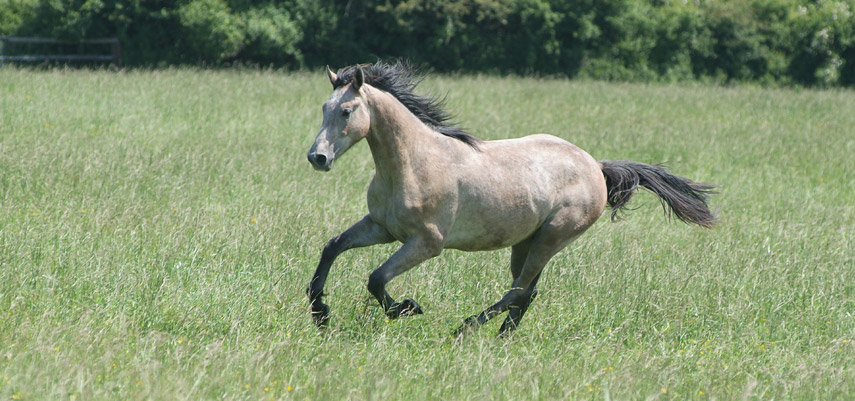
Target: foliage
824	38
782	41
209	30
14	14
271	36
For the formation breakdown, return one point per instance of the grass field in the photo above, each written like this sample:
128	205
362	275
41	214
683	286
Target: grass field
158	229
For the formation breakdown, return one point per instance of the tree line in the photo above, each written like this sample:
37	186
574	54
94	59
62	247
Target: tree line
809	43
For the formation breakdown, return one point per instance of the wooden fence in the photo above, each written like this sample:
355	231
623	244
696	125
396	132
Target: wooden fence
115	56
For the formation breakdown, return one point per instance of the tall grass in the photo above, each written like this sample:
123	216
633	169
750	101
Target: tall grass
158	228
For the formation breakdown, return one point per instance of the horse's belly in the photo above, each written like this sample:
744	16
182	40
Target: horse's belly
488	232
482	242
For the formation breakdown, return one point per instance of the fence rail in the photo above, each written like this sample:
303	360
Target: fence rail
115	56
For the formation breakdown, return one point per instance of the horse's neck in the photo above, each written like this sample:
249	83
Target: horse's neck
402	146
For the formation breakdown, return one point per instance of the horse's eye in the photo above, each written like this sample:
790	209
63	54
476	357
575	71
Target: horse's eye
346	112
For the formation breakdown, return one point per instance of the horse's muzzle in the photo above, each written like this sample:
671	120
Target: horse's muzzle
319	161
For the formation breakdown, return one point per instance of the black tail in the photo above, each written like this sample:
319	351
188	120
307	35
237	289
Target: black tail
685	199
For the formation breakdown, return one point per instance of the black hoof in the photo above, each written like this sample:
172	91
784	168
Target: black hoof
469	325
407	307
508	327
410	307
320	314
511	322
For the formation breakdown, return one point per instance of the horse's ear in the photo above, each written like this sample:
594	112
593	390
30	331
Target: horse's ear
358	79
332	76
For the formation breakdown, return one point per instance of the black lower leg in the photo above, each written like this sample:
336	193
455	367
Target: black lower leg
315	291
393	310
364	233
377	288
516	312
513	297
320	311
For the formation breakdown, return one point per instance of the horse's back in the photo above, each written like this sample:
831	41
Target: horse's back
545	160
561	170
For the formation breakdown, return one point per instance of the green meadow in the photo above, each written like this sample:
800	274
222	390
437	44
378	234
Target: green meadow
158	230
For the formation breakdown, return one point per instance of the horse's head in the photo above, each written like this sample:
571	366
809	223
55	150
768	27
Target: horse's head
346	121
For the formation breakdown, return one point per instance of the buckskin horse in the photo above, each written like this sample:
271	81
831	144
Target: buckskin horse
438	187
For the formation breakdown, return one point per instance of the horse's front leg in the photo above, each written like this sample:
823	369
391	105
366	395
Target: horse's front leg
364	233
415	251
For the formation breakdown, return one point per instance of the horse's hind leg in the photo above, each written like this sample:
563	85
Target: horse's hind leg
519	253
542	247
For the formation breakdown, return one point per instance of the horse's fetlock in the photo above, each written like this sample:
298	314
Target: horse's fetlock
314	295
518	296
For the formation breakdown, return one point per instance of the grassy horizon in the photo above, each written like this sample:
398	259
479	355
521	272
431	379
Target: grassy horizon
158	229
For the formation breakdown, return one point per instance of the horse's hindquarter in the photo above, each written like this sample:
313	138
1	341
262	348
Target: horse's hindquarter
515	186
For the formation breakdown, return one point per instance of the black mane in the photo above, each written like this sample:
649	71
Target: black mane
399	80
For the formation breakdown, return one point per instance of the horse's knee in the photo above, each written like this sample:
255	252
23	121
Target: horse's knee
376	284
332	247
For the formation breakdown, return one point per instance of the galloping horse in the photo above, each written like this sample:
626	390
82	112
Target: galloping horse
437	187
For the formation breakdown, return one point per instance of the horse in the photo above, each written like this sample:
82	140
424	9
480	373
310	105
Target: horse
438	187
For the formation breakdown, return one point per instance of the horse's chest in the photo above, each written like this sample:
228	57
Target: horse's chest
385	215
394	211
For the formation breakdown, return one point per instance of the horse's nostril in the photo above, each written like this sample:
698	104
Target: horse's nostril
321	160
317	159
